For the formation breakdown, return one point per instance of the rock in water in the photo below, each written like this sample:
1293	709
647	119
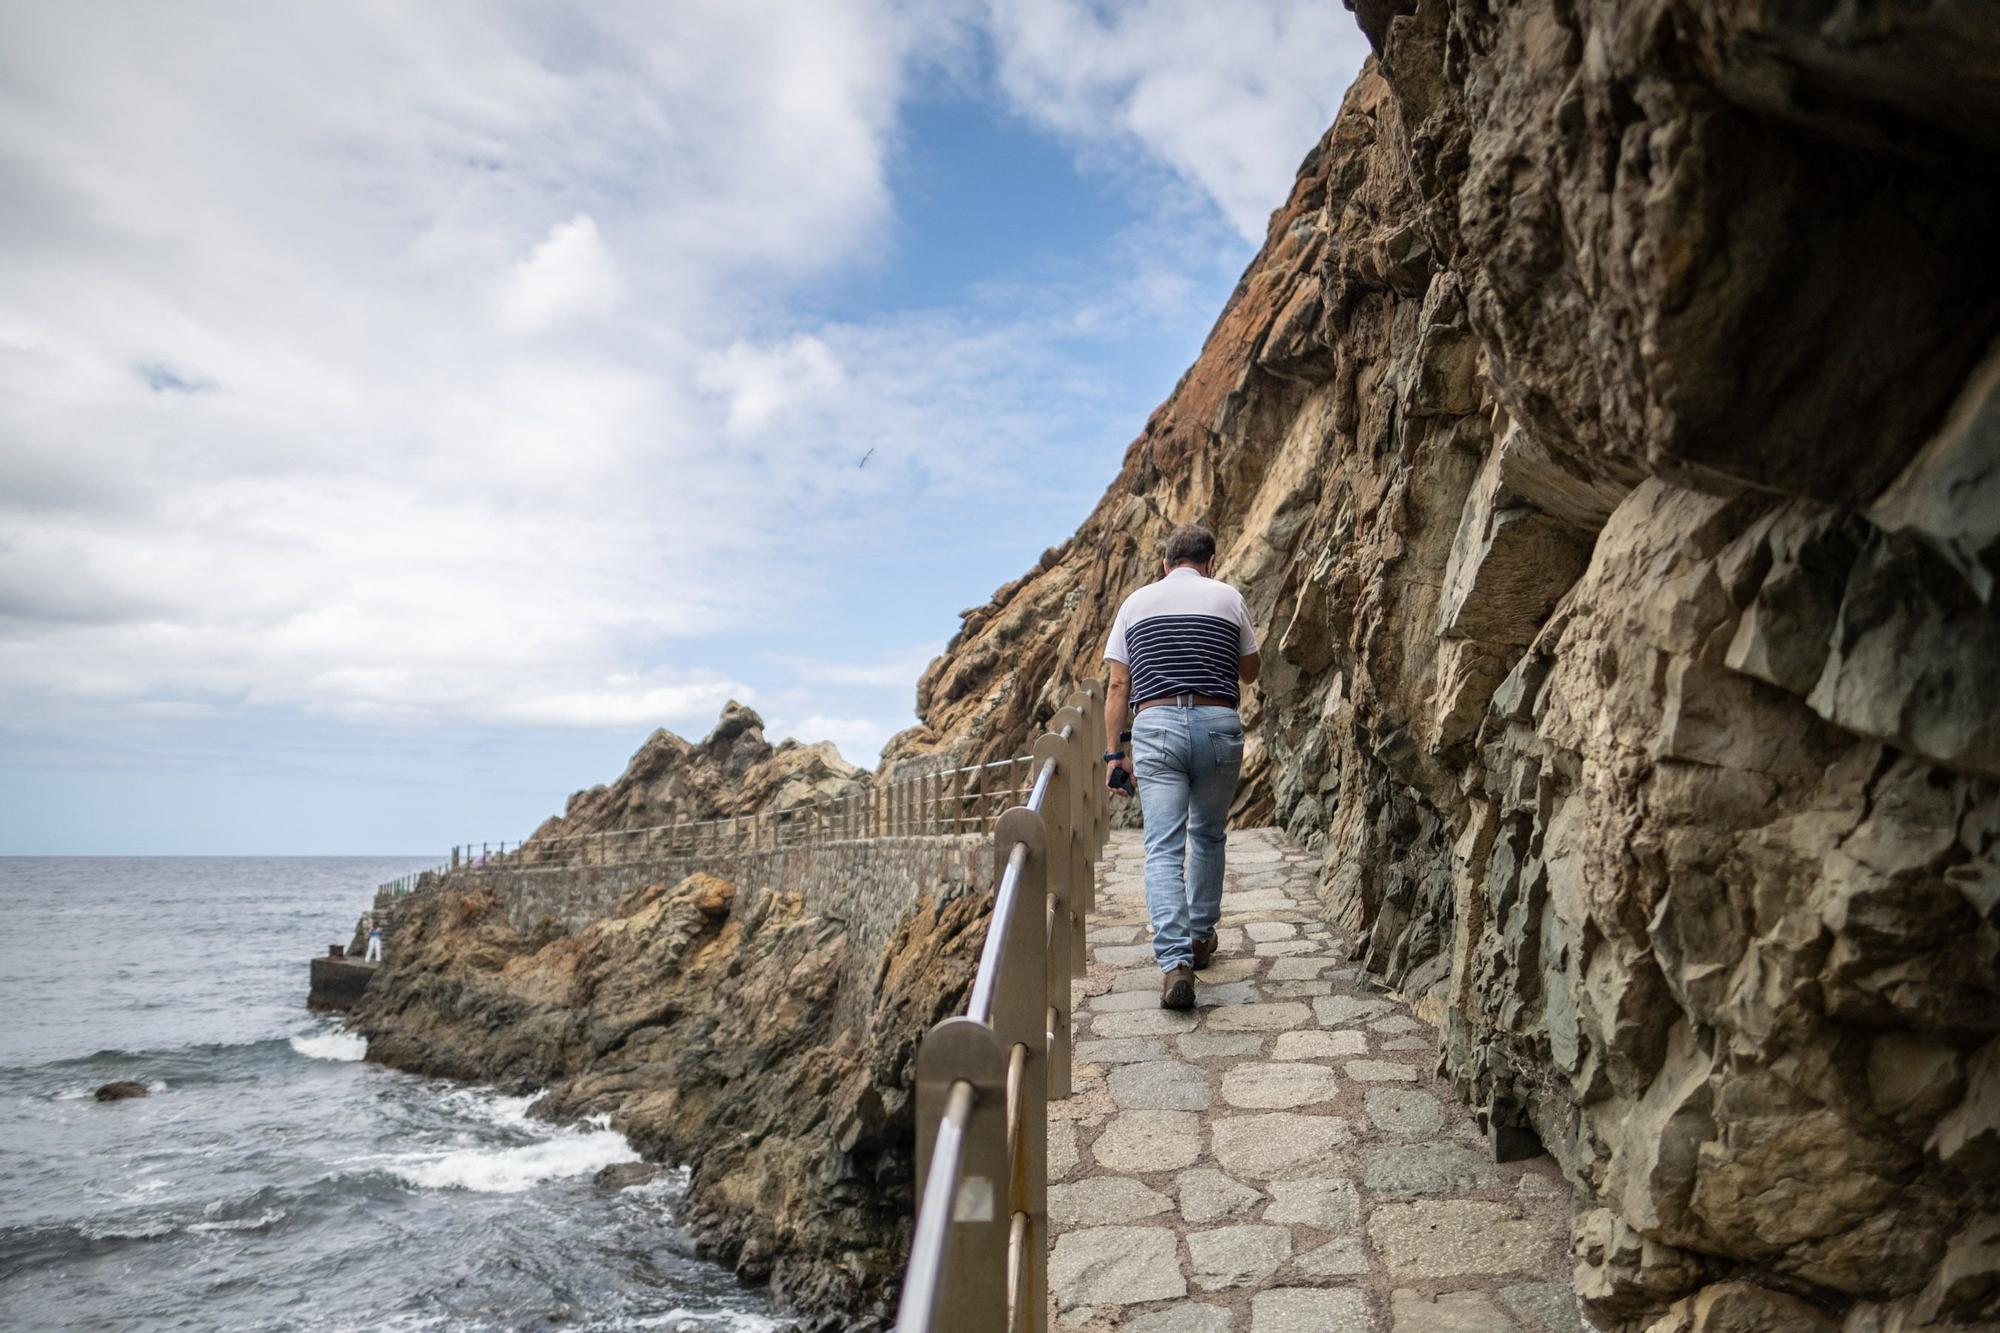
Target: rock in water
1607	441
121	1090
624	1175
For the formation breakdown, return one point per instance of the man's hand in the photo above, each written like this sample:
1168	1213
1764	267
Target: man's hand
1117	693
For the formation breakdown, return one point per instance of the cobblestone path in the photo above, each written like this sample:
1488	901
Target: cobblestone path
1283	1159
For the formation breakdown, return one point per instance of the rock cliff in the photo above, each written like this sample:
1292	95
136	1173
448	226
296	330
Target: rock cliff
742	1034
733	771
1607	439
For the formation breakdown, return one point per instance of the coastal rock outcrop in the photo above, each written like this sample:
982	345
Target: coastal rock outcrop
1607	441
734	770
742	1034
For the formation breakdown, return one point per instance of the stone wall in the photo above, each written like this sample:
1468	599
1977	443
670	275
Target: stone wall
866	885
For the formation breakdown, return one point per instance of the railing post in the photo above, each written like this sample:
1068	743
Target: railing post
1020	1019
1069	869
1090	809
971	1291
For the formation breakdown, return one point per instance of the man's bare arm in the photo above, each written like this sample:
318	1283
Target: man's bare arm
1117	693
1247	667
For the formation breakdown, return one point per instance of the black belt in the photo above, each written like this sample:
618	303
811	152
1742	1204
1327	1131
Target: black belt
1189	700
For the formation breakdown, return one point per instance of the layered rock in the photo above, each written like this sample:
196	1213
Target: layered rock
741	1033
1607	440
733	771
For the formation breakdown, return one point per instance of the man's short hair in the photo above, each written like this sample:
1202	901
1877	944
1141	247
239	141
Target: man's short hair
1190	544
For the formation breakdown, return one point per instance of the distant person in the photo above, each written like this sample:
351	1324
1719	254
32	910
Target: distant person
374	942
1180	649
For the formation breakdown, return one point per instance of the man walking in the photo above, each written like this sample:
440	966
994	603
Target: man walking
1178	650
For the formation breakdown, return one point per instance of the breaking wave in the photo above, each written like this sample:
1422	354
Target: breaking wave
512	1170
335	1045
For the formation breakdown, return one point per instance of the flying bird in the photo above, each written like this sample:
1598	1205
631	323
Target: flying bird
864	459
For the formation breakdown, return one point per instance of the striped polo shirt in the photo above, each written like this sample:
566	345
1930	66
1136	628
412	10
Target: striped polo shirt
1182	635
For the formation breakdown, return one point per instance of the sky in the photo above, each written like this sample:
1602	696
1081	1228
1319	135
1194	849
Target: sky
406	408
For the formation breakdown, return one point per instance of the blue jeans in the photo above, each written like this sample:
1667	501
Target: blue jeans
1186	760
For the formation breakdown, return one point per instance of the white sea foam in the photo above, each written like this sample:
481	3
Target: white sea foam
676	1321
334	1045
502	1112
511	1170
85	1091
149	1229
257	1223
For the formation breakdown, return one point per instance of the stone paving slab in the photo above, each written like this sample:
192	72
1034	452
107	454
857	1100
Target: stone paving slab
1283	1159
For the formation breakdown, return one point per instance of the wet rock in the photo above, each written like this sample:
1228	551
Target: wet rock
624	1175
120	1090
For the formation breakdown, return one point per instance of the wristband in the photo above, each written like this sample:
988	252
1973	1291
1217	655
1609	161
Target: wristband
1113	756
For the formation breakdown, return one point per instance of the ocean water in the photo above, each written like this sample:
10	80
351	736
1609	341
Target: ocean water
274	1180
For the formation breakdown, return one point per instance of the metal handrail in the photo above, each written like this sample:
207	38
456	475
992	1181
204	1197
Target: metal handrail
928	1252
984	1079
945	800
993	952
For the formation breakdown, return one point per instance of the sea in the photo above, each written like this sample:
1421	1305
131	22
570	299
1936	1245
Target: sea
274	1179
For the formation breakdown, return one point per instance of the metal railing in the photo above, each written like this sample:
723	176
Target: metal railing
950	800
980	1253
403	884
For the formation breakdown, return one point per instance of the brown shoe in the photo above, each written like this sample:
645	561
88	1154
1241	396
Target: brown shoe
1204	952
1177	988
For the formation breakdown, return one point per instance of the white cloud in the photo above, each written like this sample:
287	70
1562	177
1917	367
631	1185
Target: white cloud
338	224
627	701
896	670
761	383
569	274
859	739
1228	96
438	363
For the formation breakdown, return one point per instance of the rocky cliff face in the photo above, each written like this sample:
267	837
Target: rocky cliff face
741	1034
733	771
1607	439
